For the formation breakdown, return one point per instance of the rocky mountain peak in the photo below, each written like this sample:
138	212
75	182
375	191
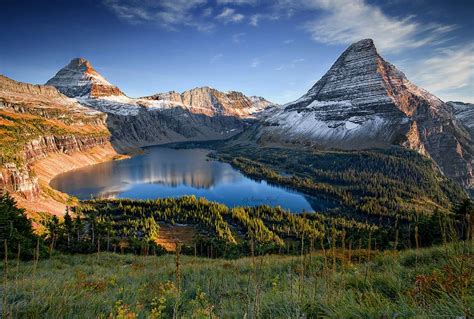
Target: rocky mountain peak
209	101
364	102
80	79
81	65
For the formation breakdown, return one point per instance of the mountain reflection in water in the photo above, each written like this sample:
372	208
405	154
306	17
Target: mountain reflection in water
165	172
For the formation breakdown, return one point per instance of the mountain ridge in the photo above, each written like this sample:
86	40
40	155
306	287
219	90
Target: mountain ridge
365	102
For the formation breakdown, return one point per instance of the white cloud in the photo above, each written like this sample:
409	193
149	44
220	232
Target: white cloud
289	41
447	73
347	21
167	13
256	18
292	64
255	63
236	2
229	15
207	12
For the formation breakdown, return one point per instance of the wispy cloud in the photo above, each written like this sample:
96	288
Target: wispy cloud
207	12
334	22
256	18
255	62
216	58
347	21
237	2
292	64
447	71
229	15
166	13
237	37
289	41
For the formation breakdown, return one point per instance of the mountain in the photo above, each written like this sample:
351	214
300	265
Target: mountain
365	102
36	122
209	101
197	114
79	78
465	113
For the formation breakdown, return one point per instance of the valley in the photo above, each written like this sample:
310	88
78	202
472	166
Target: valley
356	193
80	118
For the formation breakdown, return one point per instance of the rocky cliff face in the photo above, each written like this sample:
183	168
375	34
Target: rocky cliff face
17	177
464	112
36	121
46	102
364	102
169	126
79	78
211	102
197	114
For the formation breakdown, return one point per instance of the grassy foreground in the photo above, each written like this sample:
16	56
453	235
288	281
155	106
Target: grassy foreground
431	282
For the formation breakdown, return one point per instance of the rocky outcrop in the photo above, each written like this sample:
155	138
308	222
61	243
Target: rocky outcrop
168	126
464	112
17	179
79	78
365	102
37	121
211	102
44	145
46	102
8	85
198	114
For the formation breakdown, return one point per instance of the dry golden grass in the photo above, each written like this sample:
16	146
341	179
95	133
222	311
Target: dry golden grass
169	235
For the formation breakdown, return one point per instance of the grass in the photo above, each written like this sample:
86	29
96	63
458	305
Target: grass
430	282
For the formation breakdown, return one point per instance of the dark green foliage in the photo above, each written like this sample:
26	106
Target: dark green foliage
17	230
95	232
376	184
224	231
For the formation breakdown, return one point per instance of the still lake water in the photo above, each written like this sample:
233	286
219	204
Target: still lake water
165	172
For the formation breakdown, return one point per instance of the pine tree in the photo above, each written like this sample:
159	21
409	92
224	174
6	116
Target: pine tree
17	229
68	226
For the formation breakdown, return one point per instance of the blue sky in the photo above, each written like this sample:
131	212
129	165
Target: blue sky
277	49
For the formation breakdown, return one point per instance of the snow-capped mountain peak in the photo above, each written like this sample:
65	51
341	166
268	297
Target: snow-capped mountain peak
80	79
364	102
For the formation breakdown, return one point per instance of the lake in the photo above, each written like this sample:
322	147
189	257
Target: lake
165	172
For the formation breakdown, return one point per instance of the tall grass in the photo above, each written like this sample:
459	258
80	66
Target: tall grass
387	285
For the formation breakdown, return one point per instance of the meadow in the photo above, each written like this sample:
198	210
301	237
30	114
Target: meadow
428	282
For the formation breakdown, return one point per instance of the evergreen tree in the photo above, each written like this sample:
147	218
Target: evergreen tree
16	229
68	226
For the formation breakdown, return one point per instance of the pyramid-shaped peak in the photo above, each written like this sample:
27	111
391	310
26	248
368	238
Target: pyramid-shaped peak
78	62
81	65
364	43
360	49
79	78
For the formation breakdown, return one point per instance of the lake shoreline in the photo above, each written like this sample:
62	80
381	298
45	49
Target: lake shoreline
175	173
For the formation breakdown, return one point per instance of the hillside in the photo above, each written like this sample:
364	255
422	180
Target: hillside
432	282
37	121
392	183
